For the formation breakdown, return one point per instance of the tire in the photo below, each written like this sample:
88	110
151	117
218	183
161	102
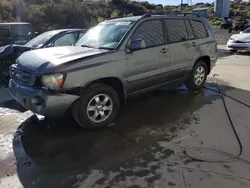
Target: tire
83	116
191	82
234	51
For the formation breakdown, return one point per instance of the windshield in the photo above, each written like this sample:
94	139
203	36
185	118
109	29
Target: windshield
247	30
41	39
105	35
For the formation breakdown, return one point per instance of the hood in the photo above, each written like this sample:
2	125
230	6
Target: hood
242	37
52	57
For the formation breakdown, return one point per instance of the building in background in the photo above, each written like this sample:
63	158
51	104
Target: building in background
222	8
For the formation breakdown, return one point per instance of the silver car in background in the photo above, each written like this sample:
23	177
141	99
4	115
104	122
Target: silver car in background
239	41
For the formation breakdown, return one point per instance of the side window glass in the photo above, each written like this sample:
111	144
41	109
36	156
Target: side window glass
4	31
177	31
81	34
66	40
200	30
189	30
151	32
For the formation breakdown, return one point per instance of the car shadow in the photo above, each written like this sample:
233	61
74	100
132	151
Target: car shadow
51	153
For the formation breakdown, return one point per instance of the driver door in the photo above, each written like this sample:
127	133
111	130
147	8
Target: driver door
145	65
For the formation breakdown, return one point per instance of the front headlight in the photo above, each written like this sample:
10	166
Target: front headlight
232	39
53	81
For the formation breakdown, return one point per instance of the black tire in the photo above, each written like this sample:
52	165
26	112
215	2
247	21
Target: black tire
234	51
190	81
79	108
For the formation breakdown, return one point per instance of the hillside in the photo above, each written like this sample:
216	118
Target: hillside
52	14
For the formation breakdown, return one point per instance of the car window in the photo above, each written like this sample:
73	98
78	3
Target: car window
68	39
20	30
177	31
81	34
189	30
151	32
41	39
4	31
107	34
247	30
200	30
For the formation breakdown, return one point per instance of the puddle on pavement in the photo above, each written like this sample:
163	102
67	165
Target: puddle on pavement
62	147
145	120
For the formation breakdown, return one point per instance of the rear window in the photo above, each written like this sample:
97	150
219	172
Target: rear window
177	31
4	31
200	30
20	30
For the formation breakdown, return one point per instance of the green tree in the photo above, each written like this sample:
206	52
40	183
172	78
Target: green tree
6	10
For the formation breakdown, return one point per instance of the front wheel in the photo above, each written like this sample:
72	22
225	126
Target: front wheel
97	107
198	76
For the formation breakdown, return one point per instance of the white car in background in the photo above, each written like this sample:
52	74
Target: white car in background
239	41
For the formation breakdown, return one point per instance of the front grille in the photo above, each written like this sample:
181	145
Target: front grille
21	75
238	41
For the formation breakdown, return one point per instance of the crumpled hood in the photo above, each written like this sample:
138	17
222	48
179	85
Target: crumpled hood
33	60
245	37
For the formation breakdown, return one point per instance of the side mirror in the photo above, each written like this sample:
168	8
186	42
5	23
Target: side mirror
136	44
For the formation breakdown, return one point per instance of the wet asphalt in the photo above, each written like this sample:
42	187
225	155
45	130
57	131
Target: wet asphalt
145	147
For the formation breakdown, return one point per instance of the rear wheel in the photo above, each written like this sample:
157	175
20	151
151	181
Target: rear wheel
198	76
97	107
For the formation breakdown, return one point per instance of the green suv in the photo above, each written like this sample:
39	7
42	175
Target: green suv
113	61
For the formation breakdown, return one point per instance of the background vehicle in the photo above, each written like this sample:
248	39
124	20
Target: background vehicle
240	25
62	37
113	61
226	23
15	33
239	41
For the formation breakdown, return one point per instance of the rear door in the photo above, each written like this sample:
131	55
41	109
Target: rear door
204	44
182	47
5	35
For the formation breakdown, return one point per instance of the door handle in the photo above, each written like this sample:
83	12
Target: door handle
164	50
193	44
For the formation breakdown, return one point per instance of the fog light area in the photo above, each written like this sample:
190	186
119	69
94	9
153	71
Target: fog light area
37	100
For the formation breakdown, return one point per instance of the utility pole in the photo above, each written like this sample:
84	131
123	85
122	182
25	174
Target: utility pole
181	4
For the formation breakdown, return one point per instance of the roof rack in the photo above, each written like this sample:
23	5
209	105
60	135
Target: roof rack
169	14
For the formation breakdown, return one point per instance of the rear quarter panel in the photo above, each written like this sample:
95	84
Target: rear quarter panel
206	46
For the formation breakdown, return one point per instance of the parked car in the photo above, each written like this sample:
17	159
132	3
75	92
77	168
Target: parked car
113	61
62	37
239	41
15	33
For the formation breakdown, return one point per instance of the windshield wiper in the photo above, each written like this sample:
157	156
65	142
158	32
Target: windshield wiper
87	46
105	48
